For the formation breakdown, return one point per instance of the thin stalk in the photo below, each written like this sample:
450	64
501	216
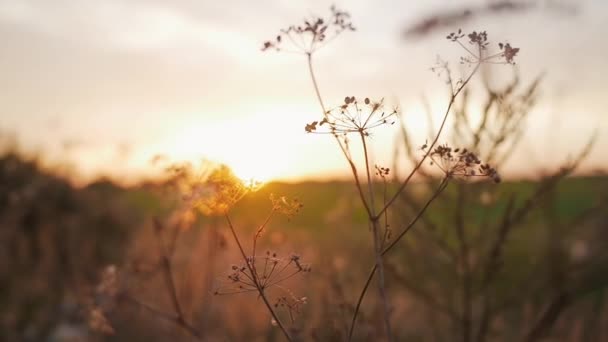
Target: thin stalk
377	248
343	148
176	319
256	283
405	183
314	82
260	229
467	301
439	190
170	283
433	143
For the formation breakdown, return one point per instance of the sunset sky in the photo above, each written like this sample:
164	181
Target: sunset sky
107	85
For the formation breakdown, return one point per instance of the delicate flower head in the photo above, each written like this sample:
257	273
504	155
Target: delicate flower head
382	172
312	34
508	52
286	206
217	192
479	41
267	271
290	303
460	163
354	116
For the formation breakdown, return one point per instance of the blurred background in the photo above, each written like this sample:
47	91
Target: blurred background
102	99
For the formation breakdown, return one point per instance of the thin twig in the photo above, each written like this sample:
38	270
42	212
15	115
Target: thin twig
439	190
463	257
166	267
166	316
546	321
167	271
377	248
433	143
256	283
343	148
258	233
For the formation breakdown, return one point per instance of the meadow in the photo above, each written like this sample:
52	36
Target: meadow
437	246
52	270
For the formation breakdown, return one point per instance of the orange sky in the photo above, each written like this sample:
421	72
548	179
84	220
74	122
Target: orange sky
107	85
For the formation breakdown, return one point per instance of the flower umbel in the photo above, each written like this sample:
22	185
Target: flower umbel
461	163
286	206
354	117
479	41
311	35
269	271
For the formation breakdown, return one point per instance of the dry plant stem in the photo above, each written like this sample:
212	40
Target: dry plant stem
405	183
314	82
467	301
377	248
428	299
166	316
440	188
351	164
509	221
433	143
546	321
260	230
429	228
166	267
255	281
168	273
369	207
491	269
212	245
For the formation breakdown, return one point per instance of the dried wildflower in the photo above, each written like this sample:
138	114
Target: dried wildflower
354	117
267	271
382	171
508	52
480	41
461	163
216	193
285	206
454	36
291	304
312	34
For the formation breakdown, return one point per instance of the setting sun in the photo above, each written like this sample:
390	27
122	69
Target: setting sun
252	150
250	169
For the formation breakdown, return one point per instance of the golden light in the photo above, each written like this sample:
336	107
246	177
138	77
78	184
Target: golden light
253	147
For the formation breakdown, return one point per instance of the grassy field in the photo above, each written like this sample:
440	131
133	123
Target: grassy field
57	241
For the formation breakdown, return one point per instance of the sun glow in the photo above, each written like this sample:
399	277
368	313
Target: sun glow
250	170
252	147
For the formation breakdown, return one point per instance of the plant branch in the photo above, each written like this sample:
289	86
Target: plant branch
255	280
467	301
258	233
433	143
166	316
343	148
168	275
439	190
377	248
